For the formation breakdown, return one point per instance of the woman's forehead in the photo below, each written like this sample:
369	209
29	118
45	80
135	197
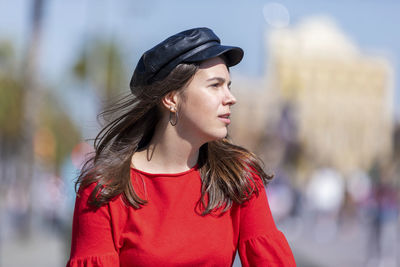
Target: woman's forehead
211	68
211	62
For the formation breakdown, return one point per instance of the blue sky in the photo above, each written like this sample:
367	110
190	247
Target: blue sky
370	24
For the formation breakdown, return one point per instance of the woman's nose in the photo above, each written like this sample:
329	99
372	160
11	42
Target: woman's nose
230	99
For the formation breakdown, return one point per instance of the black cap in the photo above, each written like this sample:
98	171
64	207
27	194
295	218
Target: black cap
192	45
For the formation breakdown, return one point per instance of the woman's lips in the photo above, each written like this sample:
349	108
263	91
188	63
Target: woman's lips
225	118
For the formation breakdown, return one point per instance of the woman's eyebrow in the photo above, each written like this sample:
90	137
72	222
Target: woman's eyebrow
219	79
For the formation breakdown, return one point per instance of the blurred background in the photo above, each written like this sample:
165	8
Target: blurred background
318	101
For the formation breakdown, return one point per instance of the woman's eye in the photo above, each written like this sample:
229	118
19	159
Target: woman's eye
215	85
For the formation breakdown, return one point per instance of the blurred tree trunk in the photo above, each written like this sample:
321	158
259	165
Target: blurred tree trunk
32	95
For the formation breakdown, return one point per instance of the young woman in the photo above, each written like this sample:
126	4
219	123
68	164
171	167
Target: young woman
165	186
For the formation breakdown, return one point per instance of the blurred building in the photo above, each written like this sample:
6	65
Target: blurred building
336	99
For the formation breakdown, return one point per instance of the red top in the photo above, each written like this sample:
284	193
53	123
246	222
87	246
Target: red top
168	230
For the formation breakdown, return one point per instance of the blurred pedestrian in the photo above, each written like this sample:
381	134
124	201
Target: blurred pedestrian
165	186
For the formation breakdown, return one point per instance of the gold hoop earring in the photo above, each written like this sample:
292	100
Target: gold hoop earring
173	117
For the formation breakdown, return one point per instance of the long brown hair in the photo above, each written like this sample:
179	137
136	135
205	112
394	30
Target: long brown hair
226	170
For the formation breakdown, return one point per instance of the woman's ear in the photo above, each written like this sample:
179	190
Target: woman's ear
170	100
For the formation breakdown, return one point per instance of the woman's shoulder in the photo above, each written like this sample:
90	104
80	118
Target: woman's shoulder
255	177
88	195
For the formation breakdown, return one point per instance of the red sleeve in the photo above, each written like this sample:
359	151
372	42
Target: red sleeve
260	242
92	239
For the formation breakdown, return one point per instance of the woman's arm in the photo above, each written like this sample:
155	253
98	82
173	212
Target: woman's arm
260	242
92	240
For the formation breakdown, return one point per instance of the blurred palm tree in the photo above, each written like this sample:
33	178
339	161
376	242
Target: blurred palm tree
11	109
55	136
100	63
34	131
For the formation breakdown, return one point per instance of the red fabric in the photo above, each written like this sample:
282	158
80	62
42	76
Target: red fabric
168	231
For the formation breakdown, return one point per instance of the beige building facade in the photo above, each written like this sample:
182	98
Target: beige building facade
341	99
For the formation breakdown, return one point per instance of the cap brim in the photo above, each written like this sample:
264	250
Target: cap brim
233	54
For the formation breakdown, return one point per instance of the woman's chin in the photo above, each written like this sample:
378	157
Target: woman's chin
218	135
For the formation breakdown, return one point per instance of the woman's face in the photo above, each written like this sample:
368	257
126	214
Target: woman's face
204	105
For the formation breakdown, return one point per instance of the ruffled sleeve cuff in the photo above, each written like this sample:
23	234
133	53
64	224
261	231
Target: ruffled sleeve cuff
109	260
266	250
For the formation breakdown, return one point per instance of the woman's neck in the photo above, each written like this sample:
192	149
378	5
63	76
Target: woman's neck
167	152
